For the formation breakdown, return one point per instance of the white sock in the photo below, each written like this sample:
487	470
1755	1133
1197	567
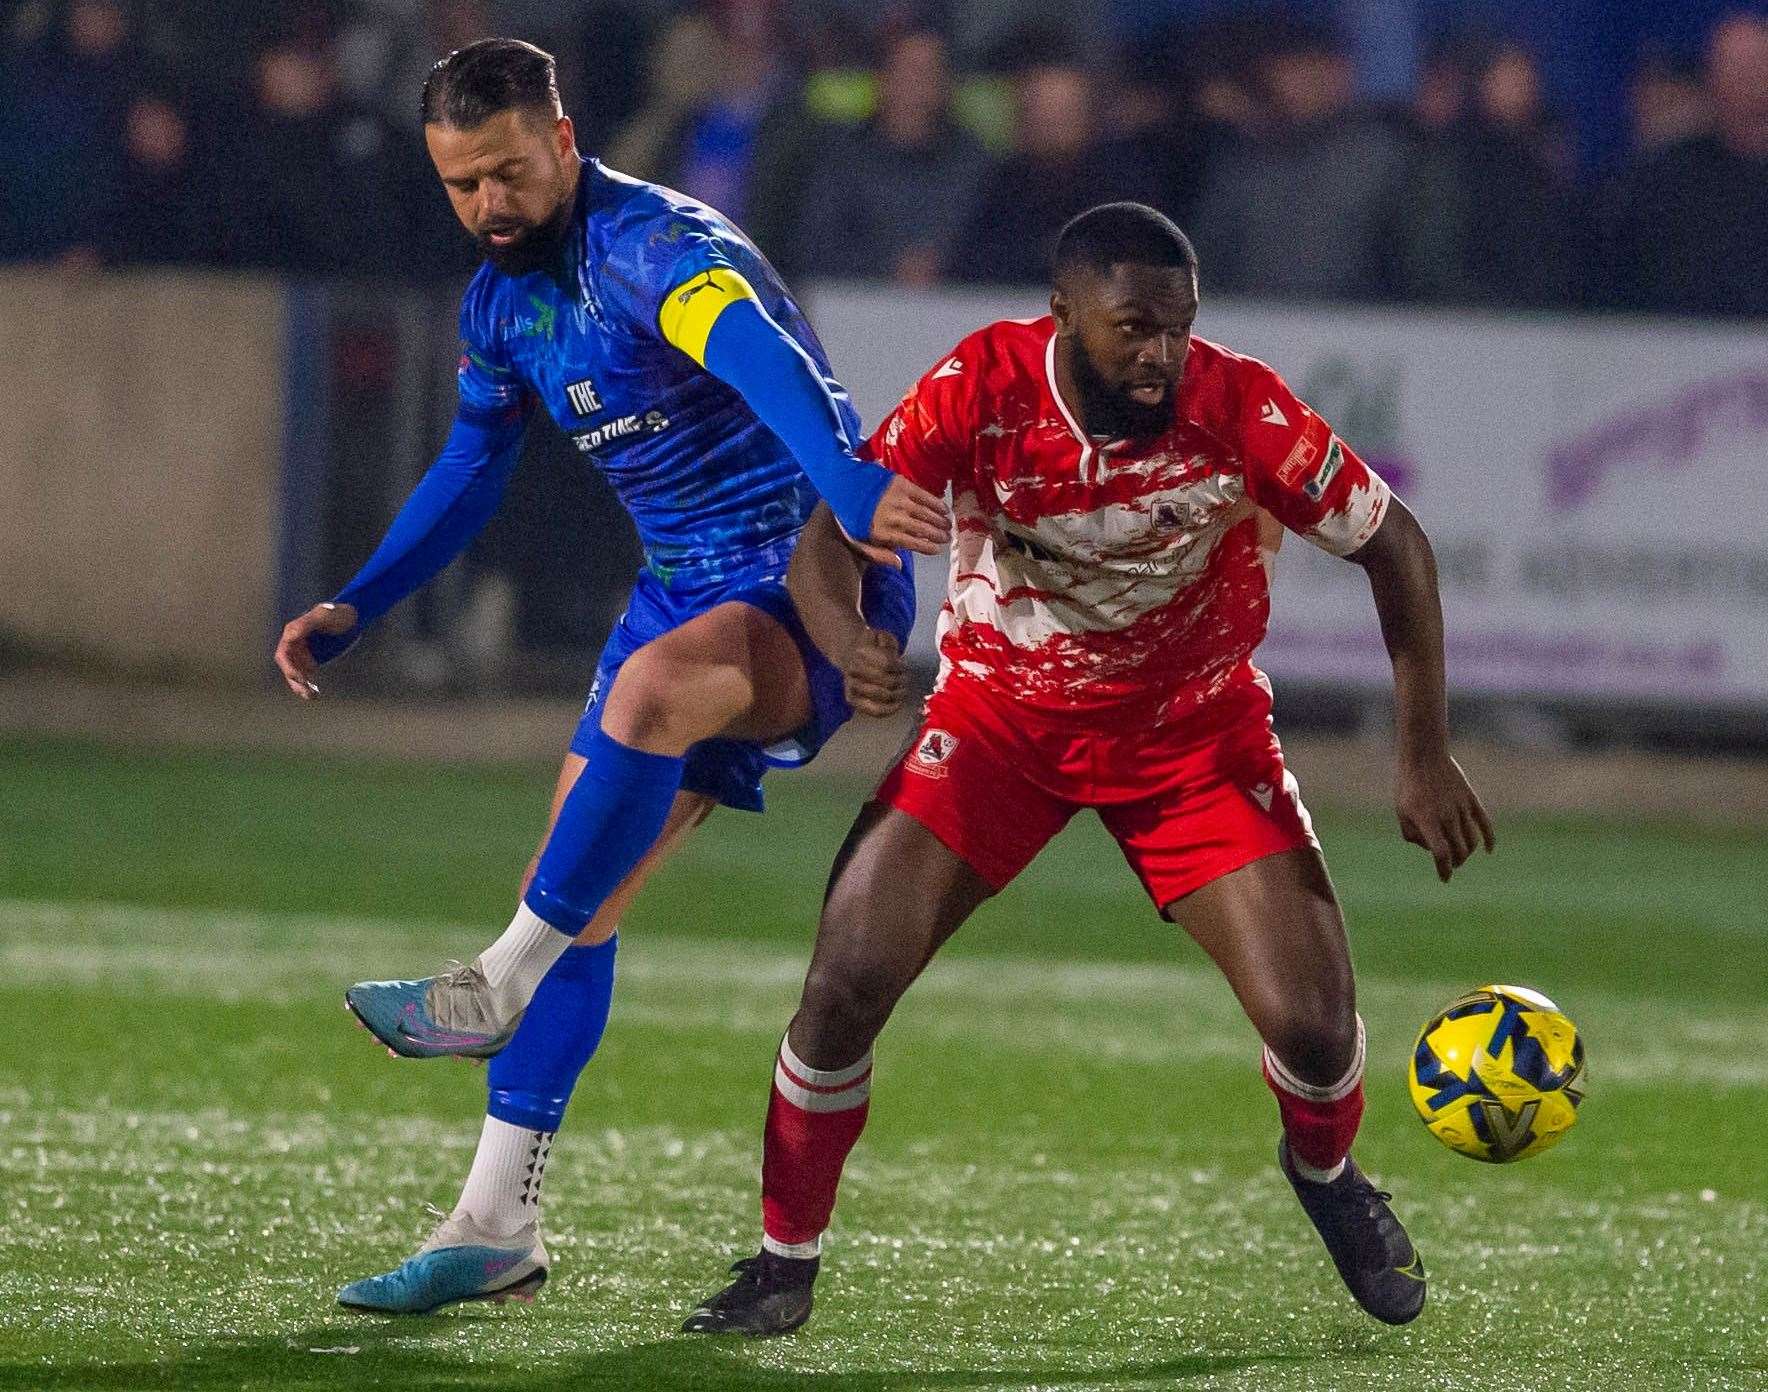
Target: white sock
798	1251
1310	1172
502	1192
514	964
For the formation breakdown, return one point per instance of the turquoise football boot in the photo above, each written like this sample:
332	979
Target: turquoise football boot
452	1013
461	1261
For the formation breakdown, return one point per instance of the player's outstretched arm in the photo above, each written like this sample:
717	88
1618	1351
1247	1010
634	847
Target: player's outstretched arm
1438	808
449	507
716	320
824	580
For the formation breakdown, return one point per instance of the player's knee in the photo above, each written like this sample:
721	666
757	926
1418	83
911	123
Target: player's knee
1314	1033
649	706
847	1000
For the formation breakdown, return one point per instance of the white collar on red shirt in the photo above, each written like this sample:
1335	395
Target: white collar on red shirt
1089	448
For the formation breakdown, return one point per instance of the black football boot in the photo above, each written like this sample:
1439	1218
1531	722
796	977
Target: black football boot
770	1296
1366	1242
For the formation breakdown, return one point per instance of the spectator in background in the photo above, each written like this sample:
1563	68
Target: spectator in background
63	102
1305	206
1668	100
1688	224
596	51
386	48
1487	215
1009	230
316	187
681	77
156	214
725	121
1442	98
718	82
1219	72
1155	146
885	198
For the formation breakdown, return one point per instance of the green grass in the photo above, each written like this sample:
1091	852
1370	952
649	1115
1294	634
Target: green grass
1067	1181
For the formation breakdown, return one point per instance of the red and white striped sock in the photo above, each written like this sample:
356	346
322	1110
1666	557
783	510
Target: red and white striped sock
813	1118
1319	1122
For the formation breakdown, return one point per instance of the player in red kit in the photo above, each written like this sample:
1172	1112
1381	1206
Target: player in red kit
1119	489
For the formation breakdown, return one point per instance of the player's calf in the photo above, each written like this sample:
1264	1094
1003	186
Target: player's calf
844	1006
814	1117
1320	1120
1367	1243
1318	1042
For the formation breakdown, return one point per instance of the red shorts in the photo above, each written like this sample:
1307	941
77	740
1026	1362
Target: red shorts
994	782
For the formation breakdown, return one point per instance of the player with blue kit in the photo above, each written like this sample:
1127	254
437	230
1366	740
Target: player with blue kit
667	348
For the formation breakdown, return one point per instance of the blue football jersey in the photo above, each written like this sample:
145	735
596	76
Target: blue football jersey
712	489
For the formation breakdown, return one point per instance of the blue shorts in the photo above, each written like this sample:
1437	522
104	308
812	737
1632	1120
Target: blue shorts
729	770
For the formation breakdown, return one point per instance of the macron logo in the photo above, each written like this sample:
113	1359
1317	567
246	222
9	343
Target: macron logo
1273	414
951	369
1262	794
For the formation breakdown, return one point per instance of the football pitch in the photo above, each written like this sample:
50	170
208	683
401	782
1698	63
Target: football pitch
1068	1179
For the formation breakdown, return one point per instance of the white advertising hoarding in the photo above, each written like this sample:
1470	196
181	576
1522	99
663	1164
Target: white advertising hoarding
1597	490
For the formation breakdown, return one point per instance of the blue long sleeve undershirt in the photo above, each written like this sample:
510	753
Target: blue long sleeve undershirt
783	386
458	495
449	507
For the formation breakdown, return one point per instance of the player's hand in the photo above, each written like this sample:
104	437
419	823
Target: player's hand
1440	811
294	656
907	518
877	680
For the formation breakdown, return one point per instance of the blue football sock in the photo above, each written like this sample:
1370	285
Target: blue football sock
531	1078
611	817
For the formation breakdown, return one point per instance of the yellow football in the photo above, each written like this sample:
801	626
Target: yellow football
1498	1074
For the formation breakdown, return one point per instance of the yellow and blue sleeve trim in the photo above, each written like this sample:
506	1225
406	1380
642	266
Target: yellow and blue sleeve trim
691	309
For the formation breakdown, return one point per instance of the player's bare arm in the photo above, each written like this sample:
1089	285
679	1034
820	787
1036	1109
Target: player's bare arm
1438	808
824	581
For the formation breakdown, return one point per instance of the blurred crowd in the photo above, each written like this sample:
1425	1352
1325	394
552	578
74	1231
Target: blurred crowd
863	141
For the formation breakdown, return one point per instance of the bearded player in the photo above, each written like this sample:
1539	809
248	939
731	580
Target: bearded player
664	345
1119	489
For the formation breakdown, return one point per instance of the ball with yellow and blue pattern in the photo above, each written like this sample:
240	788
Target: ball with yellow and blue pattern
1498	1074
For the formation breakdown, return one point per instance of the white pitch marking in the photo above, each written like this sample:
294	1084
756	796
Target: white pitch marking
1155	1014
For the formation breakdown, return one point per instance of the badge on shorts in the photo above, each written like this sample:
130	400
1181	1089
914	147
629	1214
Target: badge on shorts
932	752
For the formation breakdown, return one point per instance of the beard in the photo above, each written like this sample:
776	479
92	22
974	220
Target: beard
1107	411
537	249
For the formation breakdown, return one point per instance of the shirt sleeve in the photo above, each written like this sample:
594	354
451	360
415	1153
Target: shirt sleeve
657	260
924	439
452	502
1299	471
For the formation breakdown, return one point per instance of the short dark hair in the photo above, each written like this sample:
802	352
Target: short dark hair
475	83
1113	233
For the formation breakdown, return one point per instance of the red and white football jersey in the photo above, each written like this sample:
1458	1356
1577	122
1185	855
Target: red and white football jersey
1125	576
